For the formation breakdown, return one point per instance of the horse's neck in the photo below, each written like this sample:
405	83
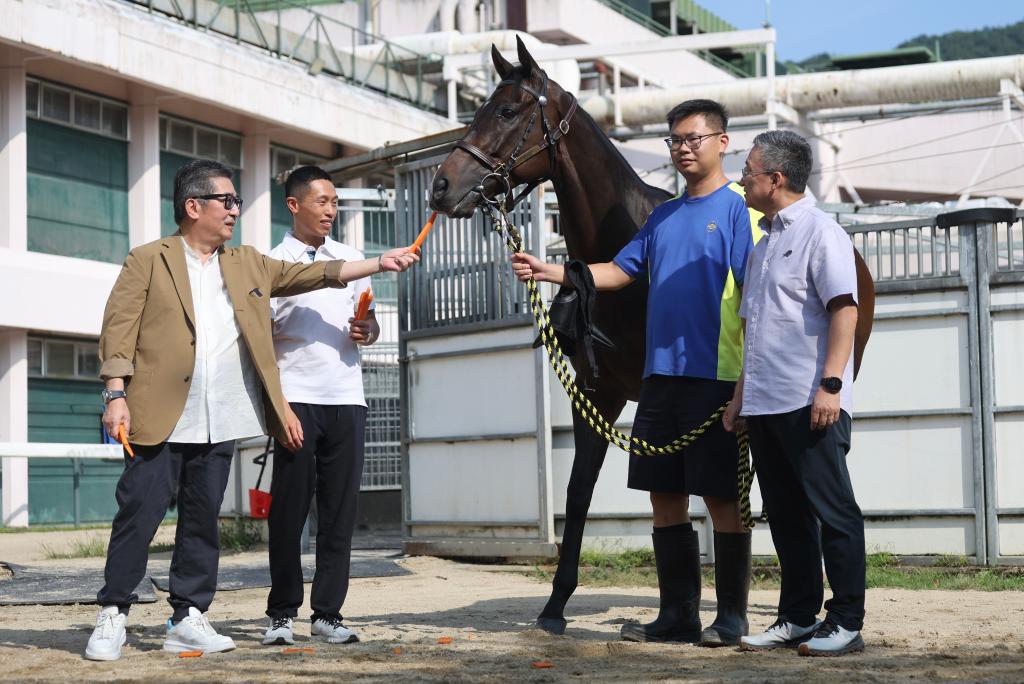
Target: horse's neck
601	200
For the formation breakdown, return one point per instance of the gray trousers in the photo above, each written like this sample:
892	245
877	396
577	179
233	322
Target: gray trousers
194	473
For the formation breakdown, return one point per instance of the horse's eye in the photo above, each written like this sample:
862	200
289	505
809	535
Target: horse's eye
507	112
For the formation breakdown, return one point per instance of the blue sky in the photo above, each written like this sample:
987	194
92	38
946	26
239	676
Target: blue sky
808	27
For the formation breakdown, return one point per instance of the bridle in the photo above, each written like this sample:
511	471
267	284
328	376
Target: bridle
549	141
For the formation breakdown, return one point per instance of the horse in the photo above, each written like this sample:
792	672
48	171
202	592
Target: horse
514	140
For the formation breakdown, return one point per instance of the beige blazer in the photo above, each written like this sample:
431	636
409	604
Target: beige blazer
149	330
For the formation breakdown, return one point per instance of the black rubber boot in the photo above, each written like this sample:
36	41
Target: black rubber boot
732	585
677	555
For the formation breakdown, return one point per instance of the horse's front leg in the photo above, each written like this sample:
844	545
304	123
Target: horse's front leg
586	466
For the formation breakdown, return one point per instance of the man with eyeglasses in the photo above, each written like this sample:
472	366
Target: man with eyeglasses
693	249
189	367
796	395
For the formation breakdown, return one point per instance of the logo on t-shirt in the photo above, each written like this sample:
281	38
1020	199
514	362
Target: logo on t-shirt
712	226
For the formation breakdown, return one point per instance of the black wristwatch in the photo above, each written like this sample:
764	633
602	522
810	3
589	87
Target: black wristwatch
110	395
832	385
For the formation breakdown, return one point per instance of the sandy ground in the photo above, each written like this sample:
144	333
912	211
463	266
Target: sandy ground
488	613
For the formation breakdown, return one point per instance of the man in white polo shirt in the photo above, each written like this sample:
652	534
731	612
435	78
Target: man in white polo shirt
796	394
315	340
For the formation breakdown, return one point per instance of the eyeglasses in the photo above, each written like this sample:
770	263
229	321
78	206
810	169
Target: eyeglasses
229	200
747	173
692	141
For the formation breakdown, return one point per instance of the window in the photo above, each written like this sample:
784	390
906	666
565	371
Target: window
283	159
76	109
200	142
54	358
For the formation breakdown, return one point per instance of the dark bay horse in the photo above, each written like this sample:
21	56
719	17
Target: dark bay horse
530	130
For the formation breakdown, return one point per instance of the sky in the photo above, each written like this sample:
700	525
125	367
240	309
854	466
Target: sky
809	27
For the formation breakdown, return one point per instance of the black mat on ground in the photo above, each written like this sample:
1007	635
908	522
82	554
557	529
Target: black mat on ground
58	586
65	585
365	563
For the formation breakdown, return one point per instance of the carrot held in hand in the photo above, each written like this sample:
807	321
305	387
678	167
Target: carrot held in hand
364	304
124	440
423	233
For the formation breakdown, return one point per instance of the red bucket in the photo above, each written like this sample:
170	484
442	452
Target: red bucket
259	504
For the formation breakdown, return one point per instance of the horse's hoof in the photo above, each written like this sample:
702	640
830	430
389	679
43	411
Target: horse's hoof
552	625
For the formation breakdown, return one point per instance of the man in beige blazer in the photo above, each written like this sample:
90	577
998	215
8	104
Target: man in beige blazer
189	366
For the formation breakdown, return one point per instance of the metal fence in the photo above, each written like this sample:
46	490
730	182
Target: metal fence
465	276
290	30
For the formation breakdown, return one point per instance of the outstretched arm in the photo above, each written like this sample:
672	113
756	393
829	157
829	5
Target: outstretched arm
607	276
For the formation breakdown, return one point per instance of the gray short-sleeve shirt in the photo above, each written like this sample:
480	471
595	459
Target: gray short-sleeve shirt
803	262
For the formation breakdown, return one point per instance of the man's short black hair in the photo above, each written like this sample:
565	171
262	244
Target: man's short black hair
788	153
714	113
297	183
193	179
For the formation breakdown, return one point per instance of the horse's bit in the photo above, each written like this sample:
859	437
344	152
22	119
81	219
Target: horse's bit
503	169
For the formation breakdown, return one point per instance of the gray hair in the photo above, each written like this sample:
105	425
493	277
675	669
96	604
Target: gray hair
787	153
193	179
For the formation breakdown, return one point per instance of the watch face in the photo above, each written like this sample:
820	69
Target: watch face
832	385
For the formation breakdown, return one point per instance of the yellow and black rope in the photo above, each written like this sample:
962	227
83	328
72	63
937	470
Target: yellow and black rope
597	422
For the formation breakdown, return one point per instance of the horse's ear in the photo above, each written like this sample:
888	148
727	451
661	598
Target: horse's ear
501	65
526	59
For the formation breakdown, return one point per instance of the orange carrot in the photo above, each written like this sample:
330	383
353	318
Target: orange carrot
124	440
423	233
307	649
542	664
444	640
364	304
190	654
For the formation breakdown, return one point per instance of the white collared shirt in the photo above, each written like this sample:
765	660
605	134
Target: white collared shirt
319	364
804	260
225	398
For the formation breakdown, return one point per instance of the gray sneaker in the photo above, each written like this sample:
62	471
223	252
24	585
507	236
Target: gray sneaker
332	631
279	632
832	640
782	634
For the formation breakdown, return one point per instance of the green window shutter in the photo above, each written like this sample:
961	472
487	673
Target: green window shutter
68	411
77	193
170	162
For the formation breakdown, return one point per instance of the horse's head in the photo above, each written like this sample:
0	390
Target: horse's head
512	140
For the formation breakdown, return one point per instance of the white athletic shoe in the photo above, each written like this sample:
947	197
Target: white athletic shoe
782	634
195	633
108	637
332	631
279	632
832	640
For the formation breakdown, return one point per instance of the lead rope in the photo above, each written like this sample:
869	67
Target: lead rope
608	432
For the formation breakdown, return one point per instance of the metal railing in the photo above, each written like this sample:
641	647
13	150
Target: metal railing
650	24
290	30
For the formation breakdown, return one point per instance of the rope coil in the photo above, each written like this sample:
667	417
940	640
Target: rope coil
583	405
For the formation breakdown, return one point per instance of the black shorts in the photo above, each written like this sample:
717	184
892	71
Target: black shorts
671	406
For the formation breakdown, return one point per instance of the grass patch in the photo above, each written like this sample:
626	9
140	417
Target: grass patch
240	534
635	568
91	547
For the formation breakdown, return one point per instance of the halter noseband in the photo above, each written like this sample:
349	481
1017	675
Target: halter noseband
549	141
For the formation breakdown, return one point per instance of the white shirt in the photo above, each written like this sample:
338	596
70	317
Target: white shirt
804	260
225	398
319	364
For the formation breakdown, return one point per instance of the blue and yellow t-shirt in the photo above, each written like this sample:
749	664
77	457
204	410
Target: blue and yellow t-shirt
694	252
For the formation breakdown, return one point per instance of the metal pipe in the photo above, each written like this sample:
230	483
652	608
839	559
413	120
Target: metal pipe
959	80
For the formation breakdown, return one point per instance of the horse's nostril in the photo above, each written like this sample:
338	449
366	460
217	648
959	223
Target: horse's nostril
440	186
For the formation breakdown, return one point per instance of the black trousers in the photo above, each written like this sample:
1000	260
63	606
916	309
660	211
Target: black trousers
198	474
330	464
812	513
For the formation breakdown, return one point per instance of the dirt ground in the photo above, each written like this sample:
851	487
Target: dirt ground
487	612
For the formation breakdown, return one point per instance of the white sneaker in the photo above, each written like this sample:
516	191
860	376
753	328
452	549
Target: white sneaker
782	634
195	633
832	640
332	631
108	637
279	632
